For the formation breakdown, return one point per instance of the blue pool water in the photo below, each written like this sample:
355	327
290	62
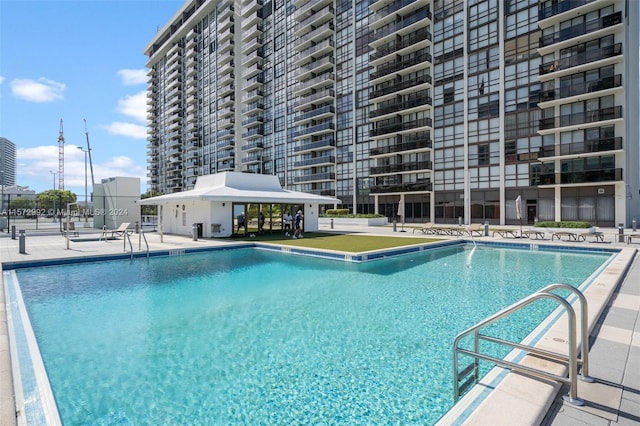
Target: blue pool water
251	336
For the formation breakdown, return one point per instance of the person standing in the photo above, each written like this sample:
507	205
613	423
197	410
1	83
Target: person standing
261	222
297	233
287	223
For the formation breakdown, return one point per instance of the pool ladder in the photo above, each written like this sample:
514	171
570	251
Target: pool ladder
140	237
467	377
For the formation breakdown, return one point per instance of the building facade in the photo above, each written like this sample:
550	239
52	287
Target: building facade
450	108
7	162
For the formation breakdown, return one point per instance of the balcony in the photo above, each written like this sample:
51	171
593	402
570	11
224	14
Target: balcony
315	177
253	96
226	133
400	85
226	154
315	35
411	166
320	81
581	88
318	113
590	55
253	82
389	9
226	101
253	146
315	145
401	105
560	7
318	129
225	144
612	113
315	51
315	19
253	6
585	176
398	126
253	119
323	160
422	34
419	141
406	24
400	64
253	107
586	147
315	67
402	187
581	29
254	132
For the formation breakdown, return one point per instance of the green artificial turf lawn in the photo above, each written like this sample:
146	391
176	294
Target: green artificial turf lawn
349	243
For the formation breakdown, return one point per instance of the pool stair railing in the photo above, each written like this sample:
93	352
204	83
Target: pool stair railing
141	236
467	377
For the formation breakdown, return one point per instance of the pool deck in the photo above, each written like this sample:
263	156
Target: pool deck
614	324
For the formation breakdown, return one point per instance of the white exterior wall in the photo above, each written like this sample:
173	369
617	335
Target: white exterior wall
115	202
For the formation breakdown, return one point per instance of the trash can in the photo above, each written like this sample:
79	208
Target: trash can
486	228
621	233
194	231
331	223
22	244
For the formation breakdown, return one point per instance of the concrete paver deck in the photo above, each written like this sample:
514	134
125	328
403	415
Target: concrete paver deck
615	340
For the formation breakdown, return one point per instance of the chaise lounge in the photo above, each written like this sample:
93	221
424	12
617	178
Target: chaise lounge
120	231
571	236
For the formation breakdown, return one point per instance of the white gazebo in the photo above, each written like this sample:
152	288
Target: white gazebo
215	203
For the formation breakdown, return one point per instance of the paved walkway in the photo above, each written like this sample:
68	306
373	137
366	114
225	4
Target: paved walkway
615	341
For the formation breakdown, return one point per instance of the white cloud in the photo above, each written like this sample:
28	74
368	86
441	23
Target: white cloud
134	106
37	163
42	90
132	77
131	130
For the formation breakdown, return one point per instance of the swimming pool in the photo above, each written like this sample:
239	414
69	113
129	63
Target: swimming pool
257	337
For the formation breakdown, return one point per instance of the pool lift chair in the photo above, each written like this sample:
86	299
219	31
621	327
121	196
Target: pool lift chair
464	379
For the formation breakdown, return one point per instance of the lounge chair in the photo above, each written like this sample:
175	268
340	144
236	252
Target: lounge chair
513	233
571	236
121	231
475	228
630	237
426	229
598	237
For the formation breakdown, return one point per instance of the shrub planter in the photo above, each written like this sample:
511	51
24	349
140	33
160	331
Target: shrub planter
352	221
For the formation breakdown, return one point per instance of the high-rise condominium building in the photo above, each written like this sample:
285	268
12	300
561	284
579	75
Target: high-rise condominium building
7	162
452	107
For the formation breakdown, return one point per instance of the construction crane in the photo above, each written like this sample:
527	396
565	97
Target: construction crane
86	132
61	158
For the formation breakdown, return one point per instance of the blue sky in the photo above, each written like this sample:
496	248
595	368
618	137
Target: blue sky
75	60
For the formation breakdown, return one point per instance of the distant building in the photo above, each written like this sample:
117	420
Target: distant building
14	192
7	162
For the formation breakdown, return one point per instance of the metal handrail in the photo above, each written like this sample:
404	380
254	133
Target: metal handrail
124	240
572	358
141	233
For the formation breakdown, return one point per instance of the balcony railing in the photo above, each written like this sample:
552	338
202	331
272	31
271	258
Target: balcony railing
415	37
402	187
387	10
581	88
590	55
603	114
314	177
581	29
584	176
600	145
393	107
402	167
409	144
314	129
400	85
397	65
323	159
322	143
385	31
560	7
398	126
314	113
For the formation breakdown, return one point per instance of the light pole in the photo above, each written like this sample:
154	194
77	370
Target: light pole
86	205
54	194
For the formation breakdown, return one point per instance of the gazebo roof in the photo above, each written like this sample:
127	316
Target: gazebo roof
240	187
